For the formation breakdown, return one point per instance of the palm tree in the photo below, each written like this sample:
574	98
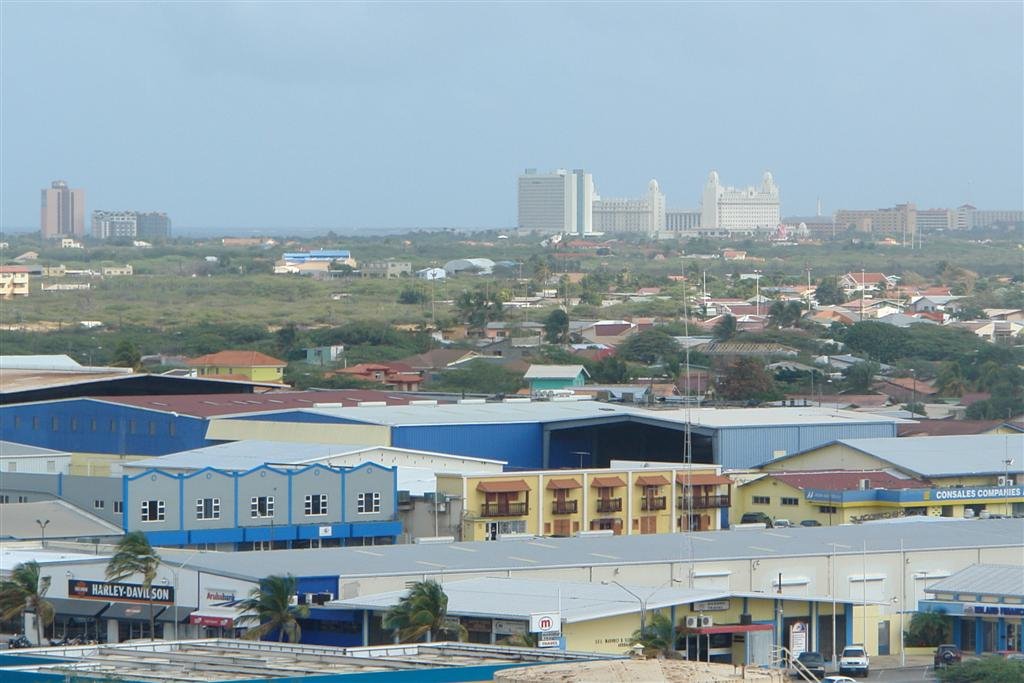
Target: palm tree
134	555
25	589
950	380
422	612
658	636
270	605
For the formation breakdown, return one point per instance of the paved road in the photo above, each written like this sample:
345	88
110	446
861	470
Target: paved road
910	674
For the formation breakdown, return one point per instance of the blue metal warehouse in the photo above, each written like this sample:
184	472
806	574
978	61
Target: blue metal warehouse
587	433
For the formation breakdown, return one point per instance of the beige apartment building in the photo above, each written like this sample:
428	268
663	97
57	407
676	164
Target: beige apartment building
622	500
899	221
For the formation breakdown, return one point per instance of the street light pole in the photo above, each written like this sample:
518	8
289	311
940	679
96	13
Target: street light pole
643	604
42	531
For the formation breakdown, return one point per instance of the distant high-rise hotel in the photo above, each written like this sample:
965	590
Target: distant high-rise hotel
62	213
130	225
559	202
645	215
730	210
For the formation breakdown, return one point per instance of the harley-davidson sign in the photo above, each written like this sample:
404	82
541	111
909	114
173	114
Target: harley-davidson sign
120	592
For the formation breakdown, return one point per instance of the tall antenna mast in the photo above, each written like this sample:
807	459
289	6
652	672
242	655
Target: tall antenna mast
688	437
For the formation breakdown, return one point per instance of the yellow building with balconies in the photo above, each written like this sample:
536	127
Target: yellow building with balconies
640	500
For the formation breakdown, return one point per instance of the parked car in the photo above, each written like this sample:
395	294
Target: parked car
810	662
946	655
836	678
810	522
854	661
756	518
783	524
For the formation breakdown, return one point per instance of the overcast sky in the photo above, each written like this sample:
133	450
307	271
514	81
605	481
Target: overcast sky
336	115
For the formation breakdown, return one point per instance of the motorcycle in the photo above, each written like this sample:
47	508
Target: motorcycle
18	642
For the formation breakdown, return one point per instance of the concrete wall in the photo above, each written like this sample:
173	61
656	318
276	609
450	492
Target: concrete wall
237	430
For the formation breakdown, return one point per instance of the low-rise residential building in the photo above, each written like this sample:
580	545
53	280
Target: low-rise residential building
855	283
392	375
554	377
625	499
14	281
252	365
117	271
389	268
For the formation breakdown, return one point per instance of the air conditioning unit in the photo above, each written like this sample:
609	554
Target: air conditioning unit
705	622
865	485
1004	481
441	507
319	598
692	622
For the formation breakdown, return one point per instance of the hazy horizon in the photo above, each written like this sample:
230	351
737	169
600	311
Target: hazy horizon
385	117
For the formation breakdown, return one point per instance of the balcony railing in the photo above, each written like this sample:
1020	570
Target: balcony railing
609	505
701	502
502	509
653	503
564	507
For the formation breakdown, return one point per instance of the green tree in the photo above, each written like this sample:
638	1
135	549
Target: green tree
829	293
478	377
658	637
746	379
950	380
725	328
412	295
285	340
928	629
127	355
650	347
478	307
520	640
610	370
860	376
269	605
879	341
135	556
992	669
556	327
423	611
24	590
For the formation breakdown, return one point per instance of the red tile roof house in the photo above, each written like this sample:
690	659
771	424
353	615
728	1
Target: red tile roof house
904	389
397	375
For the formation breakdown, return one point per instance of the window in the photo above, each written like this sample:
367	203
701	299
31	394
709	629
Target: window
51	465
92	425
368	502
12	466
152	428
316	504
35	422
171	428
113	425
74	424
827	509
54	423
152	511
261	506
22	499
118	506
131	426
761	500
789	501
99	504
208	508
17	421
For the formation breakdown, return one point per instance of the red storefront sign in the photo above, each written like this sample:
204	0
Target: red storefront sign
207	620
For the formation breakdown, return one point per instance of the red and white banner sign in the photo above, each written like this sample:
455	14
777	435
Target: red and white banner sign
206	620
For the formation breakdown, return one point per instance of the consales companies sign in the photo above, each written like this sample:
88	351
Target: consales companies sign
976	493
119	592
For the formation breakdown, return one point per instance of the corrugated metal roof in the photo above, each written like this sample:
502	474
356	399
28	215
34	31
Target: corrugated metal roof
554	371
545	412
11	449
938	456
246	455
66	521
210	405
984	579
508	598
412	559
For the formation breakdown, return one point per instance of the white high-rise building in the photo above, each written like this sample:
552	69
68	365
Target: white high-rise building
644	215
559	202
728	209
